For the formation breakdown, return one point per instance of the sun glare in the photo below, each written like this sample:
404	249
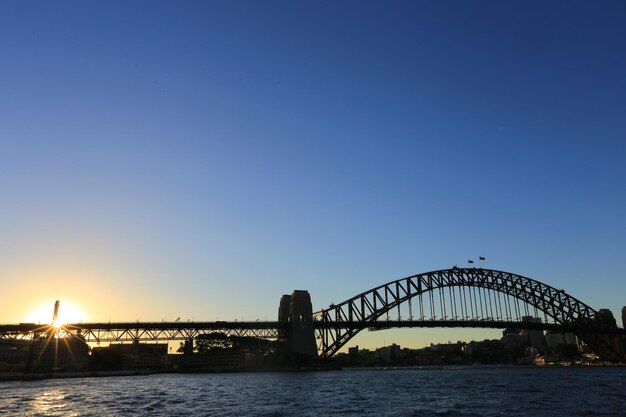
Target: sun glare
68	313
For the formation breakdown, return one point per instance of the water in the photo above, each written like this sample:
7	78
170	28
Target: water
455	391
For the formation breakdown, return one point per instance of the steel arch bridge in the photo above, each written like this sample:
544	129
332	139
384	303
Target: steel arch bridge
463	297
456	297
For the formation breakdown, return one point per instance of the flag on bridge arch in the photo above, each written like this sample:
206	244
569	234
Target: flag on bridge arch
481	258
469	261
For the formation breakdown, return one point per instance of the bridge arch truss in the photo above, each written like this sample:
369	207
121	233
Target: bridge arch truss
463	297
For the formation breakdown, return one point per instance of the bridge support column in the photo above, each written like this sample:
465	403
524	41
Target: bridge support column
299	337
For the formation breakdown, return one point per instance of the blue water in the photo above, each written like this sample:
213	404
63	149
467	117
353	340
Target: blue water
455	391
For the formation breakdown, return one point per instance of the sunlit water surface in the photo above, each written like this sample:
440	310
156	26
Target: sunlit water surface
455	391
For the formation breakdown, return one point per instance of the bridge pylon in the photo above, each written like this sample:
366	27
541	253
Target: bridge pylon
299	335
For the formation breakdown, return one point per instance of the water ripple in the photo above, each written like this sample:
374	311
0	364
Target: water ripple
458	392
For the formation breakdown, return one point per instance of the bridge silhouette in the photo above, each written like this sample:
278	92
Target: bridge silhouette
456	297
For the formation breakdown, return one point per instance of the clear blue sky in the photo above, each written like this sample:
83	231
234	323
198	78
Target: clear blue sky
199	159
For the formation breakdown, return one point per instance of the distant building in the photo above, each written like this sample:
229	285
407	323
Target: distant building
128	356
384	354
606	315
388	354
554	339
514	340
58	354
624	317
536	338
353	351
395	351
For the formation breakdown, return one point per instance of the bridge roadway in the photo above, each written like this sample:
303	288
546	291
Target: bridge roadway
166	331
145	331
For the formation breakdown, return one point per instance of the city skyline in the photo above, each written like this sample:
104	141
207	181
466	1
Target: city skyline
200	160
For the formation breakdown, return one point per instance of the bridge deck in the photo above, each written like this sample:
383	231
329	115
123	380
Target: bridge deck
493	324
157	331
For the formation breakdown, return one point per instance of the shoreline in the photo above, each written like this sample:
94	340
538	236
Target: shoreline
9	377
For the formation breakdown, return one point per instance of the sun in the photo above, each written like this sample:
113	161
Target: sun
68	313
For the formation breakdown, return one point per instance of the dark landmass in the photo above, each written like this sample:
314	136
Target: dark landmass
217	352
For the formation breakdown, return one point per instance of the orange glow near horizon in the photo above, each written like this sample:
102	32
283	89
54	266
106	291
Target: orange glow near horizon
68	313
